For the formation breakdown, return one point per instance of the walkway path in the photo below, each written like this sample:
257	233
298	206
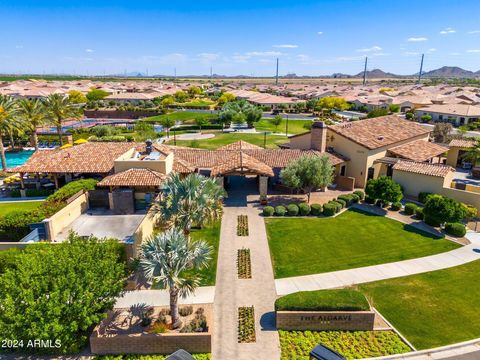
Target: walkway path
202	295
366	274
231	293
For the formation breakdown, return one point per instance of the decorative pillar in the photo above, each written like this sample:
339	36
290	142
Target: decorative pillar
37	183
55	178
263	185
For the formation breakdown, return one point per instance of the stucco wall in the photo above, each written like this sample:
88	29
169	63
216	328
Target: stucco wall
302	142
466	197
144	230
415	183
66	216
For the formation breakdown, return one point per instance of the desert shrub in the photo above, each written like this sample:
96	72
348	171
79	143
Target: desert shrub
410	208
360	194
423	196
419	213
268	211
304	209
292	210
396	206
316	209
456	229
185	310
329	209
280	210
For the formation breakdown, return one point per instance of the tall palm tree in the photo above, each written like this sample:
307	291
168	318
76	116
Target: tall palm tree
191	201
166	259
8	123
59	108
473	155
33	114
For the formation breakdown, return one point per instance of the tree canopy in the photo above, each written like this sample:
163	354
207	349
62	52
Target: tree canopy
330	103
59	291
97	94
441	209
76	97
384	189
240	112
308	173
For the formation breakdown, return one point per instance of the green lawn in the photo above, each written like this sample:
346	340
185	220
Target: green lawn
6	207
432	309
184	116
210	234
294	126
353	239
221	139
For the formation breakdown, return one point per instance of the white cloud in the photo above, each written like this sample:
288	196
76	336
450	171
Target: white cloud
380	54
240	58
286	46
448	30
208	57
474	32
263	53
473	51
320	32
89	50
370	49
454	54
417	39
431	50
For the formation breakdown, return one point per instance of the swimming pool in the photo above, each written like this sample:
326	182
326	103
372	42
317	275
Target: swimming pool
17	158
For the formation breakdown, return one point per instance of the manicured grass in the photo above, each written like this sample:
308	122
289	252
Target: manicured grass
432	309
185	116
6	207
323	300
294	126
221	139
353	239
211	234
351	344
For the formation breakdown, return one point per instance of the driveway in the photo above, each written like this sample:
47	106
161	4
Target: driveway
103	224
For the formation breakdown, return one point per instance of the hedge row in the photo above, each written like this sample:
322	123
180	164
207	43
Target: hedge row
323	300
15	193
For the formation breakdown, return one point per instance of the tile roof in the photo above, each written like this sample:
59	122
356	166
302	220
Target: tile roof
134	177
453	109
423	168
239	162
93	157
381	131
462	143
418	150
239	145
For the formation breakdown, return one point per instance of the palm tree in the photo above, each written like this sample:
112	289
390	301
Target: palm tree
8	123
166	259
192	201
473	155
33	114
59	108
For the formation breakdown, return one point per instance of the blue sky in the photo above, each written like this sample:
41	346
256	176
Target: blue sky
237	37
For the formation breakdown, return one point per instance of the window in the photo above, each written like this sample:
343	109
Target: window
371	173
342	170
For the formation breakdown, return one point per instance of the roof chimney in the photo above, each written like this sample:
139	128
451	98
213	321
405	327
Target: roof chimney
148	147
319	136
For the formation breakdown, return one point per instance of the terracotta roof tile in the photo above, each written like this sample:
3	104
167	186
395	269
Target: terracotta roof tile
381	131
239	145
423	168
418	150
134	177
463	143
239	162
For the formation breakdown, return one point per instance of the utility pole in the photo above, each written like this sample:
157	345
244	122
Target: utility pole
211	73
276	76
174	74
365	72
421	70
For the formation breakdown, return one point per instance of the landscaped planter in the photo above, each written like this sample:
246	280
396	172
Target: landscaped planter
325	320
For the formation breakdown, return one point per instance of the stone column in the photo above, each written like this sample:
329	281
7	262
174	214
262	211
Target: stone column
263	185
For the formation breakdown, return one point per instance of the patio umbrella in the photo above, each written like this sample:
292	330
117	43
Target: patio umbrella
80	141
66	146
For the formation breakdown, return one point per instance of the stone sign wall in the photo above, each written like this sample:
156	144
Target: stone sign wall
325	320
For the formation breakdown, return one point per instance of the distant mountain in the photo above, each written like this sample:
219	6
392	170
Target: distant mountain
451	72
376	74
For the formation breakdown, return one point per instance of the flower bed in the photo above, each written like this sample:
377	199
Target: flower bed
242	225
351	344
244	265
246	324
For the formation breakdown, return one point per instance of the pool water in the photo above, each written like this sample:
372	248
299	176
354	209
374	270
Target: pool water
18	158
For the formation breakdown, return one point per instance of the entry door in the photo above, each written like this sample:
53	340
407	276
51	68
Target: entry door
371	173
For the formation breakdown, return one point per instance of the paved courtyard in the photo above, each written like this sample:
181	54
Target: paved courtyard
103	224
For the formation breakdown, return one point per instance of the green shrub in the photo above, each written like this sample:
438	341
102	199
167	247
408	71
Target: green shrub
280	210
432	221
370	200
338	205
268	211
410	208
304	209
455	229
360	194
419	213
323	300
316	209
396	206
355	198
347	198
71	189
329	209
292	210
341	202
423	196
441	209
38	192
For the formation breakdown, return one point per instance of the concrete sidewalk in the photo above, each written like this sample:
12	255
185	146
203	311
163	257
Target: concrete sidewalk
343	278
202	295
